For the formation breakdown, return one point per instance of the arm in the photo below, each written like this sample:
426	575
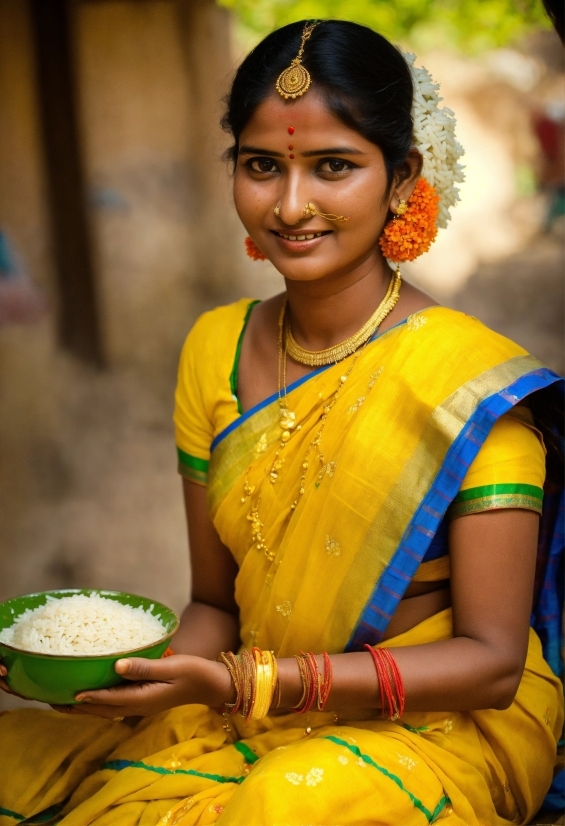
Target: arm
209	624
493	557
493	562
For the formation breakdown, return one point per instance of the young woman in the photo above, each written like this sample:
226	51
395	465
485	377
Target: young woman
363	475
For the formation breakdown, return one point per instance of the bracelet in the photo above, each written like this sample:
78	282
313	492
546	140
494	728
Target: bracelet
315	686
255	677
391	685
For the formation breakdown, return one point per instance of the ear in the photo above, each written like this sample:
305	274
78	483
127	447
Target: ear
405	178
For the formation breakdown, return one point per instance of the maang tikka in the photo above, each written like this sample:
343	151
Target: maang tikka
296	80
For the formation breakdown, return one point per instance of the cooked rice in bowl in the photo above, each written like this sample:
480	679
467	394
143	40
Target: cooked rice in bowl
82	625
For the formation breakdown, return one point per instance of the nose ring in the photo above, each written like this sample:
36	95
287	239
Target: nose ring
310	210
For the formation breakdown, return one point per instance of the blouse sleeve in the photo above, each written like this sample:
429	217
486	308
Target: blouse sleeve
508	471
193	425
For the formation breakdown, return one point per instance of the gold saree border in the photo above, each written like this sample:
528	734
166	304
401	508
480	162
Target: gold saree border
444	425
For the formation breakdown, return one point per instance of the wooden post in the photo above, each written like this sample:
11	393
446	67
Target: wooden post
205	31
79	326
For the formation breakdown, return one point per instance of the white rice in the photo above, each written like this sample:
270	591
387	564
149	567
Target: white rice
83	625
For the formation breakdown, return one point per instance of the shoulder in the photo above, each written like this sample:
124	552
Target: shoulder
449	331
222	321
215	333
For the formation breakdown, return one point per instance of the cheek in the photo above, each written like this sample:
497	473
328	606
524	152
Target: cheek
251	200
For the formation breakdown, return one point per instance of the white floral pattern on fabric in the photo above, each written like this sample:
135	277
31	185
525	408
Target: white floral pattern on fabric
294	778
416	321
434	137
343	759
285	608
447	726
314	777
406	761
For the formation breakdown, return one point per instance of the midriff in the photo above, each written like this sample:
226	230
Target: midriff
423	600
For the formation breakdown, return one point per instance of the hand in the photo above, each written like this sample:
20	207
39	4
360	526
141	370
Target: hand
157	686
4	685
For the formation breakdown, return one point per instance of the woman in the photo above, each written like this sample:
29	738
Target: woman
388	499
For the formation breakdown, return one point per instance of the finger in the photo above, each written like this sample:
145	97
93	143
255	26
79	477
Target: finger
3	670
5	687
139	668
74	711
118	695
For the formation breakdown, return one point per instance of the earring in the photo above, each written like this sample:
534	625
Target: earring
310	210
277	210
402	207
253	250
412	231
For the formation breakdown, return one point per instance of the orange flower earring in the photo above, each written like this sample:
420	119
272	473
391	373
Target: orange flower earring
412	230
253	250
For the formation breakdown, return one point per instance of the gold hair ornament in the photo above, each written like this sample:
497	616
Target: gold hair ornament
310	210
296	80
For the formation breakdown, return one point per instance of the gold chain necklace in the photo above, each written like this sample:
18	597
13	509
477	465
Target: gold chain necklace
289	428
331	355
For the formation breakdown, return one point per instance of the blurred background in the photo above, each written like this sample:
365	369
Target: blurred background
117	229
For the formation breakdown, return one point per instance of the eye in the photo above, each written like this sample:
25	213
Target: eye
262	165
334	166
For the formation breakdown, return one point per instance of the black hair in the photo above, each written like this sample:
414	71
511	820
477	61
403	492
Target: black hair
364	80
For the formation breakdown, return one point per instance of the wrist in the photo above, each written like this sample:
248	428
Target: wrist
219	685
290	682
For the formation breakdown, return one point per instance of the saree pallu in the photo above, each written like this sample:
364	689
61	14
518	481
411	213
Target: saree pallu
411	418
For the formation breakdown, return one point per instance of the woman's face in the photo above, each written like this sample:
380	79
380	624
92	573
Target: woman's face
294	153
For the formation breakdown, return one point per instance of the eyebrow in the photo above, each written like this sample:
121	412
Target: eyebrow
253	150
313	153
333	150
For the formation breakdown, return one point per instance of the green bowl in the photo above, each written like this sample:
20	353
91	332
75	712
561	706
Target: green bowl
55	679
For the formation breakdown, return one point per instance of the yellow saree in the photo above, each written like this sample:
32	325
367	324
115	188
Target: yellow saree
397	449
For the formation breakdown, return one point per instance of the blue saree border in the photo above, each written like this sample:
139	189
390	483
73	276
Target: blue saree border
394	581
270	399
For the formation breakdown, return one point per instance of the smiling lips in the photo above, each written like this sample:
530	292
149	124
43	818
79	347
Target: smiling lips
302	236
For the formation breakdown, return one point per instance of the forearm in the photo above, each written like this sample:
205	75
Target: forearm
205	631
459	674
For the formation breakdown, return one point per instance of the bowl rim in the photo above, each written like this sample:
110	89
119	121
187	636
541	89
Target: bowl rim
118	654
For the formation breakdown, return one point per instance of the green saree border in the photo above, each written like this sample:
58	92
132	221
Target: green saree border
416	802
193	468
500	495
120	765
9	813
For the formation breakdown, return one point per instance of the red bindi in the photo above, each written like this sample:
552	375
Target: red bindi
291	130
290	146
291	157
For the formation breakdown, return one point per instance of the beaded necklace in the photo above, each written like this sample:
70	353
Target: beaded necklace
287	418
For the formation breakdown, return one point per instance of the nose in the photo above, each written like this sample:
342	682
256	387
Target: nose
292	201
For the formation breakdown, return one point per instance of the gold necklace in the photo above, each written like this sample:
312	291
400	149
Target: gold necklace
287	422
331	355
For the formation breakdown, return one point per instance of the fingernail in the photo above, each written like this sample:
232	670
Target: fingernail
3	671
82	698
123	666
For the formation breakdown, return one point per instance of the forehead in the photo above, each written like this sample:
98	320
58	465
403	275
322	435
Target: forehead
312	121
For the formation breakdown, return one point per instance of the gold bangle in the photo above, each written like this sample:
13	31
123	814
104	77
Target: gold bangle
266	680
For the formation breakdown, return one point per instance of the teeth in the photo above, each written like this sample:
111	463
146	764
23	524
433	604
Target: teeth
302	237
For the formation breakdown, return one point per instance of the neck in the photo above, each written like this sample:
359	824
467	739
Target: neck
327	311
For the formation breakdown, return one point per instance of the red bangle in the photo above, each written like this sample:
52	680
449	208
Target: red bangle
391	685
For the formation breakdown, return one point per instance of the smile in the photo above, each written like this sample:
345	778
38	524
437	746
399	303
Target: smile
301	237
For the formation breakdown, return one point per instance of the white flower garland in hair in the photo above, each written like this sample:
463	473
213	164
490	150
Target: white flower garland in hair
434	137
